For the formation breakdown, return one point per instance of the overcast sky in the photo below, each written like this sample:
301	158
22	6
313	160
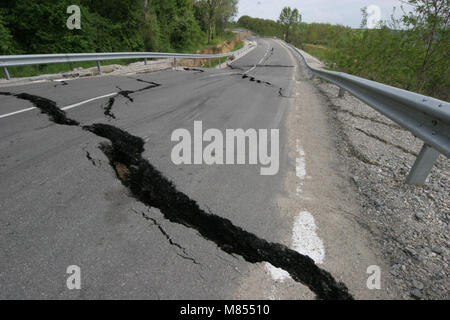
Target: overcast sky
346	12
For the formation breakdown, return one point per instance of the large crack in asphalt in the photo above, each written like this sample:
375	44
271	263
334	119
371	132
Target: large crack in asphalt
127	94
259	81
47	107
149	186
194	69
253	79
108	108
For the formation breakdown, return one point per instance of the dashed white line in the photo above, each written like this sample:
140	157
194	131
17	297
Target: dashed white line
304	237
300	167
305	241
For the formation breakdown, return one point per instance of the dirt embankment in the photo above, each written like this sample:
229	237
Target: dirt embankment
220	48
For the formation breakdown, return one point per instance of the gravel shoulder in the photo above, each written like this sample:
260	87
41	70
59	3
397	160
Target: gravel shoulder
410	223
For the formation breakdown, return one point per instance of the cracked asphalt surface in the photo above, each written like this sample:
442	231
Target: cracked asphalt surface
64	200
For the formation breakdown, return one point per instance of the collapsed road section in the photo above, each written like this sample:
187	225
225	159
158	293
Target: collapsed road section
153	189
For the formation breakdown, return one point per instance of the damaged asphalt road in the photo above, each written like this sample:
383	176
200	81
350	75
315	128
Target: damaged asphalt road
65	201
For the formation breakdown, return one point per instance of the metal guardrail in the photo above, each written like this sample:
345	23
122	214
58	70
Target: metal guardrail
425	117
36	59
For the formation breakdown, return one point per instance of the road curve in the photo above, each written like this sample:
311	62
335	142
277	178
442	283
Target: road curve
70	189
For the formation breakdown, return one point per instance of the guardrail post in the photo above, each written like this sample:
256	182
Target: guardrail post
175	62
5	71
220	61
195	62
341	93
99	67
209	62
423	165
145	61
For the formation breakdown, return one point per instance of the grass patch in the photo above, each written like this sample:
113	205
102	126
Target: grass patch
239	46
320	52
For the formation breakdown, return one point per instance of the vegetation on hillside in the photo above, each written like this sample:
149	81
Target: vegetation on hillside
410	52
33	27
29	26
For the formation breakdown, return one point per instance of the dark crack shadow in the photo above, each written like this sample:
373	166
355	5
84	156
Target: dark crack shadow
150	187
60	84
108	108
253	79
49	108
194	69
127	95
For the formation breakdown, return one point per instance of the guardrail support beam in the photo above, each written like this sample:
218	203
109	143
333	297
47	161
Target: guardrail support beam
341	93
175	62
423	165
145	61
99	67
209	62
5	71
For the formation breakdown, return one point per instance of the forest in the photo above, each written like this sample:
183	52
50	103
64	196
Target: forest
410	52
30	26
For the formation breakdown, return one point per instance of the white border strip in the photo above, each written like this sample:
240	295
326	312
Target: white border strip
64	108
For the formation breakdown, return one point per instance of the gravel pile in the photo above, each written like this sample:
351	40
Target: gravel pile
410	223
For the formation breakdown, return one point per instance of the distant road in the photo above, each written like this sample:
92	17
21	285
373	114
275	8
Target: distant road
62	203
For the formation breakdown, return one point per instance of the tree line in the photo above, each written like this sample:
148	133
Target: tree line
29	26
410	52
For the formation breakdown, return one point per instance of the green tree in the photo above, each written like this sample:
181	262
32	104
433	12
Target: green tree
6	40
429	25
216	14
290	20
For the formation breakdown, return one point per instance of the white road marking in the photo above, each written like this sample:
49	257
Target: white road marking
300	167
277	274
90	100
37	81
260	61
64	108
250	70
16	112
305	241
267	52
65	79
304	237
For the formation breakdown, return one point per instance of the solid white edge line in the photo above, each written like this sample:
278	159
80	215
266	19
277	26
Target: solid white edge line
87	101
64	108
16	112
